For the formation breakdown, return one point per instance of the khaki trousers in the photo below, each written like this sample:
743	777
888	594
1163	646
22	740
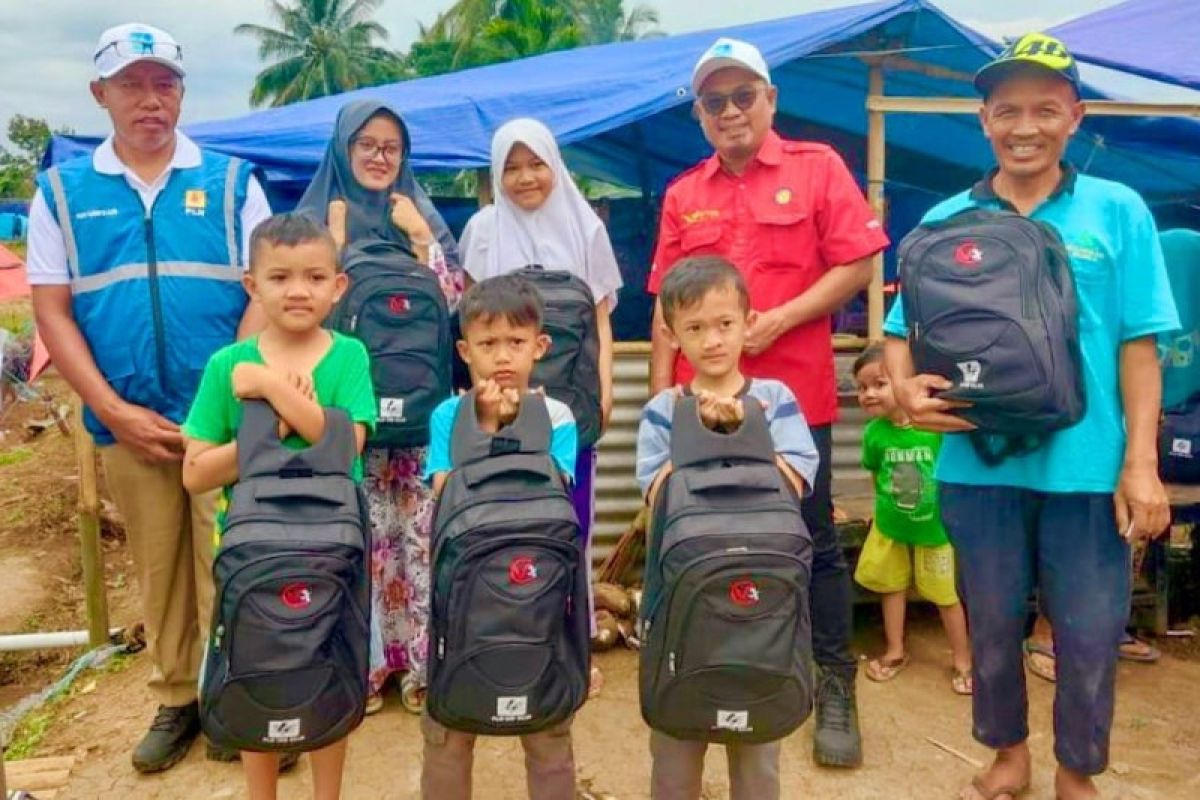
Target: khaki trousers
678	769
170	534
450	755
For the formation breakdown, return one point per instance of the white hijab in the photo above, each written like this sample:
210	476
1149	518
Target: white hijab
564	233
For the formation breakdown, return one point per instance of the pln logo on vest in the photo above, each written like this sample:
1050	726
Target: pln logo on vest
744	592
195	202
522	571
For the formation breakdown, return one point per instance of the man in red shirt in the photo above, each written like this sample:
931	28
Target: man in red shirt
791	218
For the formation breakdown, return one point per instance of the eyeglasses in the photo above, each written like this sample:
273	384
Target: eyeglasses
369	148
744	97
136	48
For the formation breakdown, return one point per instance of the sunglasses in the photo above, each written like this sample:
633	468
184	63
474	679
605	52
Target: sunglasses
743	97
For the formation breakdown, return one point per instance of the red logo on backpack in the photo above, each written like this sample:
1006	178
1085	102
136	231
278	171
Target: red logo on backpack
968	254
744	592
522	570
296	596
398	304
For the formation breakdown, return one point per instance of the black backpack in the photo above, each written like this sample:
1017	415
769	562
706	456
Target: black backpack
989	298
570	370
286	668
509	628
395	305
1179	442
726	637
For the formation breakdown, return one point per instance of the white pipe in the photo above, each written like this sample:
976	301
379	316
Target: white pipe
41	641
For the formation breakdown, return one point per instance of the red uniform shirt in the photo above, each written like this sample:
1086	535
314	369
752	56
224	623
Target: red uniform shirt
795	213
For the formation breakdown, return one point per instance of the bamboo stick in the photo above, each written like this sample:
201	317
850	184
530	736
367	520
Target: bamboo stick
92	556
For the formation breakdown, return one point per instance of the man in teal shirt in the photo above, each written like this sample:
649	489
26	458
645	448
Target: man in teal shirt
1059	518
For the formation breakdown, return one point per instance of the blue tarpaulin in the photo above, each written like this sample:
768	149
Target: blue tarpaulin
623	110
1157	39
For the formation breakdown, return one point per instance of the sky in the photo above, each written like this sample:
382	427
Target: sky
46	46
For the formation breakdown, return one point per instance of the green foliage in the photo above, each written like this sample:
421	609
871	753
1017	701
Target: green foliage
321	47
30	136
472	33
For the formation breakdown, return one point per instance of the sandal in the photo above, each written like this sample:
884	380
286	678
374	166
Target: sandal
1034	650
962	682
374	703
882	670
412	694
595	683
1134	649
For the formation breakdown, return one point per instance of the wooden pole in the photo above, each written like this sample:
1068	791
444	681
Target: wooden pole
483	186
875	177
89	532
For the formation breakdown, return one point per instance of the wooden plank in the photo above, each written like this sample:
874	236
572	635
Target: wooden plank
31	765
37	781
876	174
91	554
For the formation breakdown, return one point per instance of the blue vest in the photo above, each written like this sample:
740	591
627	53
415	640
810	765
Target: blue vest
155	292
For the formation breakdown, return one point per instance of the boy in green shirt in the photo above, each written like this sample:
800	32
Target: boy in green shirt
299	368
907	539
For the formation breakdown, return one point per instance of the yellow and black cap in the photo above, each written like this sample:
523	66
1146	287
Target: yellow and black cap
1032	52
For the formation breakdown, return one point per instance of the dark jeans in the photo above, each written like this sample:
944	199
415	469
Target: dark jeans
832	596
1006	542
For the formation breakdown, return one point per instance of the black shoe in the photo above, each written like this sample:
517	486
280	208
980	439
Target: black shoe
227	756
169	738
836	740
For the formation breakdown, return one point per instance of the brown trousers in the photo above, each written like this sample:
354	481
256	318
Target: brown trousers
678	767
449	756
170	534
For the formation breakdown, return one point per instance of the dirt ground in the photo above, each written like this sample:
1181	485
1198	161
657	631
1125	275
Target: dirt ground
1156	741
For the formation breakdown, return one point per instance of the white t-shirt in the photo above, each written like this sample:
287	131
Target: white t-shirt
46	261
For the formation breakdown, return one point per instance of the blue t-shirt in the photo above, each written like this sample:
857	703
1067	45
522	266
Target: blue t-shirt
1123	295
563	437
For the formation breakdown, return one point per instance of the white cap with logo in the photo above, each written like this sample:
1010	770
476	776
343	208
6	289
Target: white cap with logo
727	52
132	42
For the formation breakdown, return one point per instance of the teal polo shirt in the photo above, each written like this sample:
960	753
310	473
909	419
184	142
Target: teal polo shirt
1123	295
1178	350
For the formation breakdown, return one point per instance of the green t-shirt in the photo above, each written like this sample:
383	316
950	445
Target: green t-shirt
902	460
342	379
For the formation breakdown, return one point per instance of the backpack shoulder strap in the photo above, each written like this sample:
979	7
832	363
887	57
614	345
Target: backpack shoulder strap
260	453
528	433
692	443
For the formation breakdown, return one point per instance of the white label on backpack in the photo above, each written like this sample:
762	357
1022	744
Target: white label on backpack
391	409
512	709
971	371
734	720
283	731
1181	448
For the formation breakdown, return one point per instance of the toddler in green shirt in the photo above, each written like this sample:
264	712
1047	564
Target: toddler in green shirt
907	544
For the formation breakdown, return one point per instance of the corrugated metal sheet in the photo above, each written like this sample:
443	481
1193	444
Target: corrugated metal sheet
617	495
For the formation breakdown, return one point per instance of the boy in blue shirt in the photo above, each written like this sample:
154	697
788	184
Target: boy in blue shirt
1059	518
706	311
501	339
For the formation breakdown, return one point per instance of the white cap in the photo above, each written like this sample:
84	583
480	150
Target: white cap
729	53
132	42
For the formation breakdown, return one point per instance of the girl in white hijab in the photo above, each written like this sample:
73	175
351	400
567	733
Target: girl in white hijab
539	216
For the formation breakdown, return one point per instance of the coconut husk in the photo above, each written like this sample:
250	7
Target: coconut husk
607	633
611	597
628	555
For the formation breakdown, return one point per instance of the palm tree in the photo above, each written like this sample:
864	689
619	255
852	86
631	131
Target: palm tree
606	21
526	28
321	47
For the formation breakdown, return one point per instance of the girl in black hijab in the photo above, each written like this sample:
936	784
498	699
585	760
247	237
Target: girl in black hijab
365	191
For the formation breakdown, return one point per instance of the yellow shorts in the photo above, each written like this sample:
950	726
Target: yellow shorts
887	566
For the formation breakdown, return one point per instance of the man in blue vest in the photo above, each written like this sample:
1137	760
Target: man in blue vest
135	258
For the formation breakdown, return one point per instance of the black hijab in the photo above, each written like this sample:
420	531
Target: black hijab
368	213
